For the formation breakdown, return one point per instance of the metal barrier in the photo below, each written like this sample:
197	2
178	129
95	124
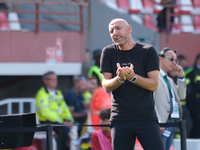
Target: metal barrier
37	12
47	128
182	125
20	101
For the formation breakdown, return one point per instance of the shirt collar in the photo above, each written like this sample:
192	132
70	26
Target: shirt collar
162	73
106	133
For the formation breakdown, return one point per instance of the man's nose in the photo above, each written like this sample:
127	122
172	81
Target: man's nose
115	32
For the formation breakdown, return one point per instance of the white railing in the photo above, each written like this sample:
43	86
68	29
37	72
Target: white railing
20	101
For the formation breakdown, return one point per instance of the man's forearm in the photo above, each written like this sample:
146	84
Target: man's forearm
79	115
146	83
111	84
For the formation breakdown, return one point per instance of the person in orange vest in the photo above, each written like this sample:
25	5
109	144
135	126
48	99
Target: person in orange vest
99	101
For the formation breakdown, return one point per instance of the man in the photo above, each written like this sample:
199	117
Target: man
51	108
162	17
132	112
193	100
75	101
168	95
182	61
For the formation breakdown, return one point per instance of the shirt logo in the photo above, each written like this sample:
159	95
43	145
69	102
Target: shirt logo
126	64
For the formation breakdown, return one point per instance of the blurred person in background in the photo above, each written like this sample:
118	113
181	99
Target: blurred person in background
94	71
52	109
94	83
75	100
162	17
101	139
87	94
168	95
6	5
100	100
182	61
193	100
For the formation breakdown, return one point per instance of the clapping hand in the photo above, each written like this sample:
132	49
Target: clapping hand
125	72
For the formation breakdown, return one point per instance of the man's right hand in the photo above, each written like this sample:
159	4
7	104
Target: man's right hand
120	72
162	130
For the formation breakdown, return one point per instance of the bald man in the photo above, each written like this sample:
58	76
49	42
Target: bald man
130	72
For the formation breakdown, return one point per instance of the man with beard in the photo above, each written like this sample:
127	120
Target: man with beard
130	72
75	101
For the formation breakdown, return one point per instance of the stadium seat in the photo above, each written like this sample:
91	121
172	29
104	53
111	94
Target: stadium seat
148	20
158	7
3	22
123	4
12	16
196	19
136	5
186	19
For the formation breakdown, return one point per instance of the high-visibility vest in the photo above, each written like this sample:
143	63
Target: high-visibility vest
95	69
99	101
87	96
185	73
52	108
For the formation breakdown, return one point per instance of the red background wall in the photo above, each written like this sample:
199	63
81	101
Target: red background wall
31	47
187	44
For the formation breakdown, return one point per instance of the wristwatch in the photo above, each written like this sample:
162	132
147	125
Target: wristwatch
134	78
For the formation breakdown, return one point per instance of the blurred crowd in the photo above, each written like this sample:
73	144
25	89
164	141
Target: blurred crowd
80	105
191	104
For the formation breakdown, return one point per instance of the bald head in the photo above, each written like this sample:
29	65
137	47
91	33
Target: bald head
120	33
118	20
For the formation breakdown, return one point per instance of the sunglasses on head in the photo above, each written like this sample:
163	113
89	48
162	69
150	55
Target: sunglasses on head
172	59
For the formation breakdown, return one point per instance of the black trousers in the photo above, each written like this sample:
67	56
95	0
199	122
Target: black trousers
62	132
148	133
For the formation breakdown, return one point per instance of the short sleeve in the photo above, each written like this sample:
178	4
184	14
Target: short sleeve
69	99
152	60
105	61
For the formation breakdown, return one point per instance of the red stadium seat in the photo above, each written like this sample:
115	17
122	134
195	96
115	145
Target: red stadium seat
150	4
3	22
148	20
196	19
185	18
123	4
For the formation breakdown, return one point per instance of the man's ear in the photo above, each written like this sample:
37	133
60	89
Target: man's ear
130	28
